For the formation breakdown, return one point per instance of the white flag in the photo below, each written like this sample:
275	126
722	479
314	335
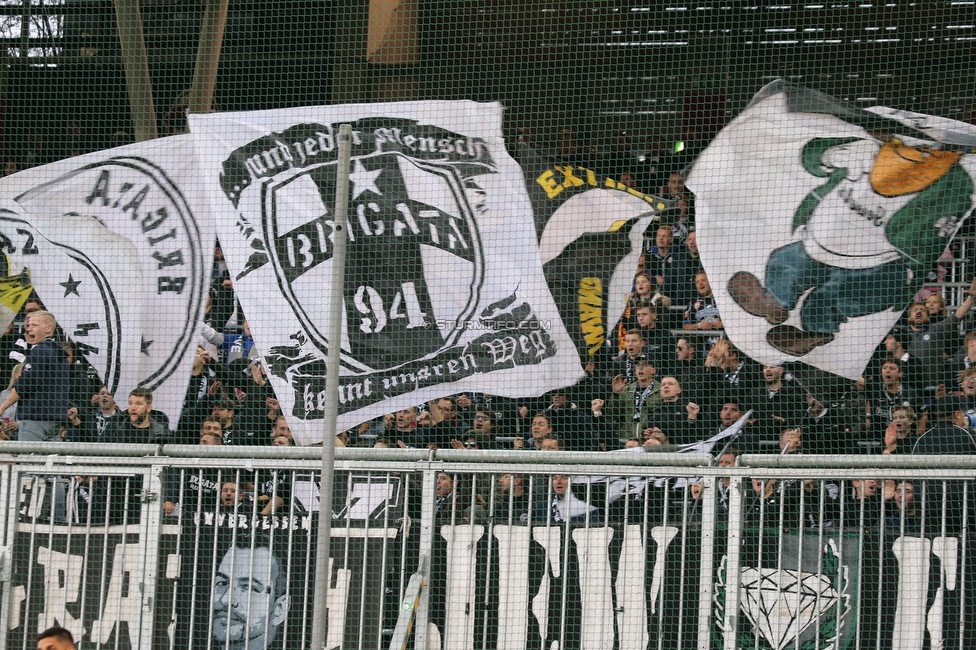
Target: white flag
444	289
90	279
146	194
818	221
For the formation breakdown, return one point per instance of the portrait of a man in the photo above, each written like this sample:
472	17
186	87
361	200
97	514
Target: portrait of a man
249	600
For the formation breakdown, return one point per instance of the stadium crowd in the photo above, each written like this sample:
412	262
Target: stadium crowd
669	376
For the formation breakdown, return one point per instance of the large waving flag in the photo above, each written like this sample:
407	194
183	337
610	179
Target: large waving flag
444	289
590	230
117	246
90	278
818	220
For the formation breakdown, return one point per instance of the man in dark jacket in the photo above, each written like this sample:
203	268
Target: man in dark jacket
729	376
135	427
778	404
677	417
196	488
949	436
926	343
41	392
139	427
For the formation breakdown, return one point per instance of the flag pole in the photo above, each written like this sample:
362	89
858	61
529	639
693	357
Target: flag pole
135	62
208	57
333	335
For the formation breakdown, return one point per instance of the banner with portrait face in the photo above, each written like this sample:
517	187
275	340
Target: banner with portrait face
504	573
246	578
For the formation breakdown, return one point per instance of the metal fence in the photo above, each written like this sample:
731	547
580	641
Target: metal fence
162	548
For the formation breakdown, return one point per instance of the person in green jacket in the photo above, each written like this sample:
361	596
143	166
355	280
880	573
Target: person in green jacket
632	403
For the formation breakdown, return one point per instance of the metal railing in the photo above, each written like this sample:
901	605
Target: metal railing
208	547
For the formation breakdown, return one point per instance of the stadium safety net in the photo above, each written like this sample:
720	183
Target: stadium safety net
716	255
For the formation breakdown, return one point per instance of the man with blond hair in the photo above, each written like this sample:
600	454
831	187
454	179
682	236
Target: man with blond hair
41	392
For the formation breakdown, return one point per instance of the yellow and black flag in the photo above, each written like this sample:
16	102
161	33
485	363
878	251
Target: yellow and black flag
590	229
14	291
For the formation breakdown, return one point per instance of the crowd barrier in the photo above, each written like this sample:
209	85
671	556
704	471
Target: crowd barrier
206	547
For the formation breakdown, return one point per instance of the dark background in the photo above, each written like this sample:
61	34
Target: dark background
661	70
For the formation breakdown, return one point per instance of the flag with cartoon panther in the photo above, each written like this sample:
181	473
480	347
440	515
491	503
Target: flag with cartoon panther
818	221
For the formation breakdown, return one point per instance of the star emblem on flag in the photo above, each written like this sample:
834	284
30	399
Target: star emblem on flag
70	286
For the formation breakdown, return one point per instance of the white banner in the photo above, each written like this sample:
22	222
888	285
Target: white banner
444	288
131	218
90	279
818	221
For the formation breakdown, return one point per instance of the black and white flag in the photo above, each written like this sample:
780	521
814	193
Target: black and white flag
444	290
89	278
115	247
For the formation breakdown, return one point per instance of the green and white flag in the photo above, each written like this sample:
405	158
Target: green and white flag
818	221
